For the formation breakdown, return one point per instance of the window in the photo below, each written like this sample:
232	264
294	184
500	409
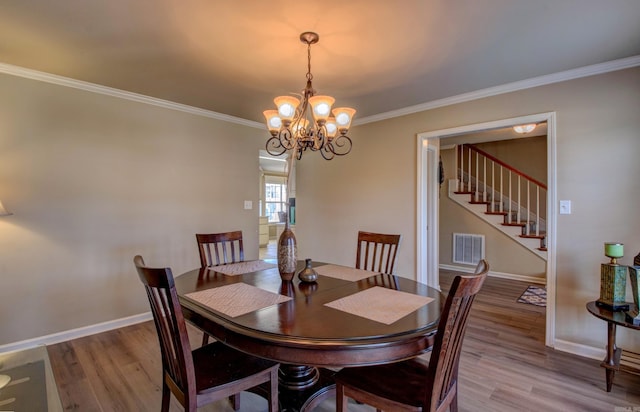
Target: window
275	195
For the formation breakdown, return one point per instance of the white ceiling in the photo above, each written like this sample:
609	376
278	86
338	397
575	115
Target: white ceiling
233	57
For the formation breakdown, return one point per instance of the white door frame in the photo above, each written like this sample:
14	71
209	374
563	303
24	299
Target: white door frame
427	208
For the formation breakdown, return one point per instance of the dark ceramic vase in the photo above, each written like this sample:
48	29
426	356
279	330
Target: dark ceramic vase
308	274
287	253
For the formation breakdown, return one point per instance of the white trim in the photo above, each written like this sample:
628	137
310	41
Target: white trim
552	222
76	333
122	94
426	212
586	71
428	152
501	275
580	350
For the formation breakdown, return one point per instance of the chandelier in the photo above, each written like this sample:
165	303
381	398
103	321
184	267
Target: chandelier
308	122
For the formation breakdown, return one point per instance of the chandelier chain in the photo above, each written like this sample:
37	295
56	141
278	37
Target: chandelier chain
309	75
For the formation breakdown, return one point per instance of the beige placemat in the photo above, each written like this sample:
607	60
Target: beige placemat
240	268
380	304
237	299
344	272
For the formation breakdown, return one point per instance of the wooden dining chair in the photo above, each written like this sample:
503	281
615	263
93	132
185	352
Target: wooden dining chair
219	249
209	373
377	252
227	248
414	385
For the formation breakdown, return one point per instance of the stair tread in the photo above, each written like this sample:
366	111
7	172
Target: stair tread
496	213
540	236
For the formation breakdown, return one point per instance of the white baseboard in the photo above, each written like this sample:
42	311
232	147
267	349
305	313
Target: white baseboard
579	349
76	333
512	276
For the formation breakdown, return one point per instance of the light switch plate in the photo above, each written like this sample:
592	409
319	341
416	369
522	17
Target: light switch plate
248	205
565	207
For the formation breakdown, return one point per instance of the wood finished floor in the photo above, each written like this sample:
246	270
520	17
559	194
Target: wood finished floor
504	366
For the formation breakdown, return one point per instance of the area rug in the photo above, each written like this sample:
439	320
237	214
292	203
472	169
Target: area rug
32	386
27	390
534	295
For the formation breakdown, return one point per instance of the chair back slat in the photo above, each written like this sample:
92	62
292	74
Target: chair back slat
170	325
443	365
223	244
377	251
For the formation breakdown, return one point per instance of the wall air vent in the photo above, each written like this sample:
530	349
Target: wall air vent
468	249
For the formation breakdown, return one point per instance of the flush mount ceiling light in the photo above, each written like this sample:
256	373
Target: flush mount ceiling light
307	122
524	128
3	211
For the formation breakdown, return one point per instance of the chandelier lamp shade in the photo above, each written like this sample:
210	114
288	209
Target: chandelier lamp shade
308	122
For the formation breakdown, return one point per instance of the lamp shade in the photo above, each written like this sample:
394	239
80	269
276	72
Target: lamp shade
332	128
287	106
273	120
343	115
3	211
321	107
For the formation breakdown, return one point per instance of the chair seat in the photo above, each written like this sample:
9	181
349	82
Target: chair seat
403	382
225	366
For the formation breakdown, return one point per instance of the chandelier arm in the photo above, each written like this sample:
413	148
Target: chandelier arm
320	140
327	152
286	138
341	145
275	147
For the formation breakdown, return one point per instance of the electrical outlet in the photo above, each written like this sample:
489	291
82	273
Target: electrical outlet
248	205
565	207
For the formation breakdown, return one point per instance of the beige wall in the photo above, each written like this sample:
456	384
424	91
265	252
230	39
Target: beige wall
93	180
598	143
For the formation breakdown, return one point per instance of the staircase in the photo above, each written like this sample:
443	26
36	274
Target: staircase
504	197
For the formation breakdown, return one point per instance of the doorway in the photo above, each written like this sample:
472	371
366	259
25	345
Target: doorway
428	213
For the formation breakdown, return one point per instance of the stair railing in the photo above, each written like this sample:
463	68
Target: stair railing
489	178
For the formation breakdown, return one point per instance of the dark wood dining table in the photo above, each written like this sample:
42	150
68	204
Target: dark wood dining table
306	336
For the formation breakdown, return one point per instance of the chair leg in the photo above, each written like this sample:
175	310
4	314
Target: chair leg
205	338
273	392
453	406
341	400
166	397
235	401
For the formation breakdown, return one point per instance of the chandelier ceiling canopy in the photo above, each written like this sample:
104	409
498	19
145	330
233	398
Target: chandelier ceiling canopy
308	121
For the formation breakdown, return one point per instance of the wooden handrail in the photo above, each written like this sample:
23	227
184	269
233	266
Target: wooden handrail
506	166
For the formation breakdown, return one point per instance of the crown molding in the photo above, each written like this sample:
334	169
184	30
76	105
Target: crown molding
122	94
586	71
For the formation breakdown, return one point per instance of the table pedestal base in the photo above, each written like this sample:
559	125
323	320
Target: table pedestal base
302	388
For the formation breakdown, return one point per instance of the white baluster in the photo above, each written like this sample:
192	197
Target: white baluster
519	205
537	210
